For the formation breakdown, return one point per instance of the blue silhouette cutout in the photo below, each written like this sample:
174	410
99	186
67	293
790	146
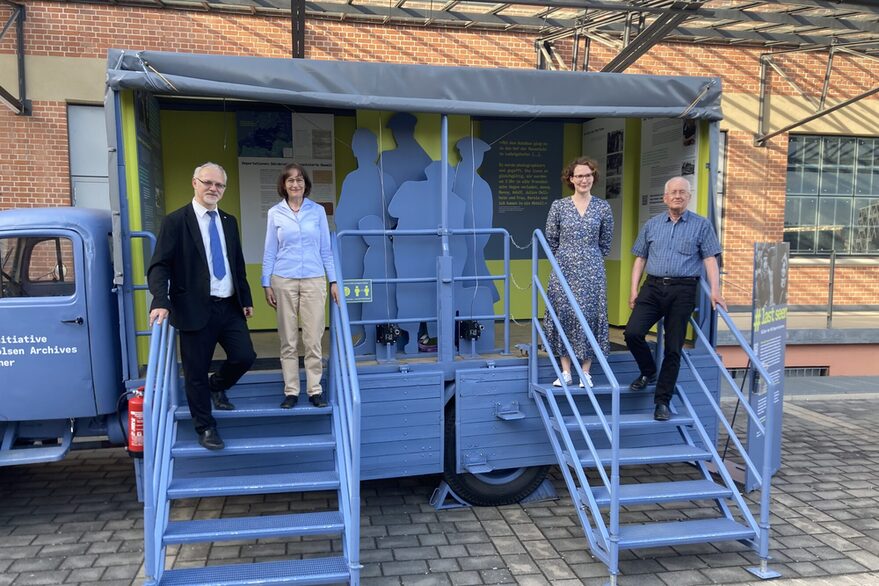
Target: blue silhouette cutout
408	160
479	206
416	205
366	191
378	264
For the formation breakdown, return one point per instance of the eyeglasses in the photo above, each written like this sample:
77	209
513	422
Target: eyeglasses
581	177
296	180
209	184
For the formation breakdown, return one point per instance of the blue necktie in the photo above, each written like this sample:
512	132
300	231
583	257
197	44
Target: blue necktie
216	247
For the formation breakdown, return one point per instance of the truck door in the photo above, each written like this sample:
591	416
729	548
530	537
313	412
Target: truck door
45	367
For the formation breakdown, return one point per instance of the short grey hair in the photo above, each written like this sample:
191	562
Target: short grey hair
205	166
679	178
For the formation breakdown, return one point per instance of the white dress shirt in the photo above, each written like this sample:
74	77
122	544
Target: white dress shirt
219	287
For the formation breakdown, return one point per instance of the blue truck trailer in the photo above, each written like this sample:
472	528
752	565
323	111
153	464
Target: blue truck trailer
438	389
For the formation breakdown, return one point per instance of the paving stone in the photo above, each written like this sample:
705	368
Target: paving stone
683	578
481	563
499	576
443	565
41	578
84	575
404	568
465	578
35	564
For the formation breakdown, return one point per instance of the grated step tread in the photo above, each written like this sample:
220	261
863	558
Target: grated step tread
648	455
574	388
256	445
627	421
203	530
682	532
661	492
197	487
259	407
308	571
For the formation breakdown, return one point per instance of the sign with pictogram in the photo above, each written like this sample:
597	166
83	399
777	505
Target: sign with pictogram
358	290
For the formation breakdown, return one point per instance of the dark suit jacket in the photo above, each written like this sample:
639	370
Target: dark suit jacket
179	278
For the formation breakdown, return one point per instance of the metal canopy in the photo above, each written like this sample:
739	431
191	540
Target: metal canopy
20	105
526	93
766	23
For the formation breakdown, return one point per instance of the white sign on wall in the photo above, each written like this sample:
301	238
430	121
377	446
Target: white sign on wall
603	141
668	149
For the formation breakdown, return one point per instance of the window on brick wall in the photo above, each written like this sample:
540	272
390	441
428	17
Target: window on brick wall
832	198
87	139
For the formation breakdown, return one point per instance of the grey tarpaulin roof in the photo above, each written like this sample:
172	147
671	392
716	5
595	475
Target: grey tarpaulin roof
416	88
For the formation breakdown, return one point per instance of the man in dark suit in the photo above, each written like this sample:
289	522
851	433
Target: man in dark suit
198	280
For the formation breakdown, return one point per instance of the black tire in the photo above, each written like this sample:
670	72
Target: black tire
492	489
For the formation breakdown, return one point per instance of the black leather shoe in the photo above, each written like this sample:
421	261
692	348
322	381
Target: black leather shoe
210	439
640	383
289	401
661	412
221	402
317	400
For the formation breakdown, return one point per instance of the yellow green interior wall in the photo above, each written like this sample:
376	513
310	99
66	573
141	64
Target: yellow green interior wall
619	272
132	184
192	137
189	139
704	177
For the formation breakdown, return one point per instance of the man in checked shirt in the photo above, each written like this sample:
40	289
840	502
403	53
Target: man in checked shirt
673	246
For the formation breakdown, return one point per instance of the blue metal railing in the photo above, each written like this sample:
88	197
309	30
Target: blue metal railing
435	318
345	388
763	477
160	402
608	544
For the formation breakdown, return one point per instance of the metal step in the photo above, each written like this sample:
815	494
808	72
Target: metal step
649	455
309	571
255	484
682	532
627	421
12	456
259	445
548	389
321	523
662	492
260	407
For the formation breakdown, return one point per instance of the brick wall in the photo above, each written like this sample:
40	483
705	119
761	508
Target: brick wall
34	158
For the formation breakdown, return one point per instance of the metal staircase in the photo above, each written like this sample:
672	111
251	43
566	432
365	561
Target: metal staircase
594	432
268	450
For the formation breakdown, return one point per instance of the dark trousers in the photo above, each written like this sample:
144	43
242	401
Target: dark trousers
228	327
674	302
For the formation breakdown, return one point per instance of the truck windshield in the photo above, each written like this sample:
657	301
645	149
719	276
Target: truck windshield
37	266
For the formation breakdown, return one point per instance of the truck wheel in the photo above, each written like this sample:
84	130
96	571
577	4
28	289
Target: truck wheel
491	489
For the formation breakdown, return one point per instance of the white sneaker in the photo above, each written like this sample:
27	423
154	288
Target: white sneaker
566	376
588	381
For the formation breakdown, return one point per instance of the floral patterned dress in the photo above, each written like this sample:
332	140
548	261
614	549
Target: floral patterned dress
579	244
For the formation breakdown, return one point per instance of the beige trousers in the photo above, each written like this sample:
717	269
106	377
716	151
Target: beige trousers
301	302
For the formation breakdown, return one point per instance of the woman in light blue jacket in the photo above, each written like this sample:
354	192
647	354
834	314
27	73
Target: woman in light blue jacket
296	264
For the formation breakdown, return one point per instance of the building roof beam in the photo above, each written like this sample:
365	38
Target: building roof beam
20	105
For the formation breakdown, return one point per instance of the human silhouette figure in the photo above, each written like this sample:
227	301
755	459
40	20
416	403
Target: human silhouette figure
416	206
408	160
478	209
378	263
366	191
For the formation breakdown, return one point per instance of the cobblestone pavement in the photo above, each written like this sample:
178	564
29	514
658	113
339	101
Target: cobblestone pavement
78	522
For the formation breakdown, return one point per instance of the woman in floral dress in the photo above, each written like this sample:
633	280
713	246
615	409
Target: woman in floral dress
579	230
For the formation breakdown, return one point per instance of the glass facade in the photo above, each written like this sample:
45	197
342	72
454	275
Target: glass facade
832	198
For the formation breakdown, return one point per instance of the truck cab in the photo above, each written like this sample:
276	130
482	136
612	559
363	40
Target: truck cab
59	340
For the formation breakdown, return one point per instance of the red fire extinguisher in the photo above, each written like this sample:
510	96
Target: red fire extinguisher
135	424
